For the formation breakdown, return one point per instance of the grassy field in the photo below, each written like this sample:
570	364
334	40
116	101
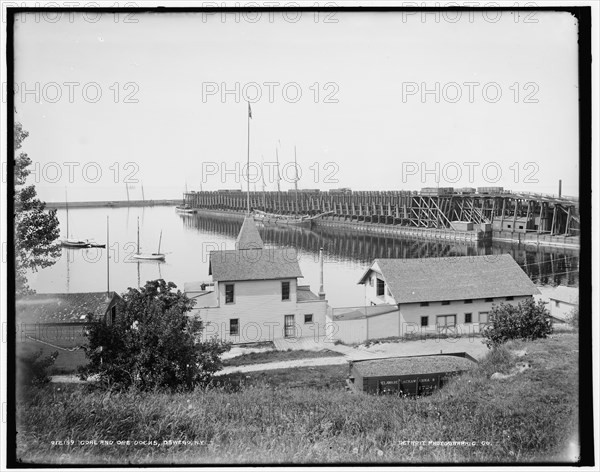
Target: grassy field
304	415
277	356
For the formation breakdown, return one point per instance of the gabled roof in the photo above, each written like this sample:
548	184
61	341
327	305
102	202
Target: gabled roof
564	294
254	264
248	237
453	278
62	307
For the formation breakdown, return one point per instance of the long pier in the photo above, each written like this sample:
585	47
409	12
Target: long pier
543	264
499	214
115	203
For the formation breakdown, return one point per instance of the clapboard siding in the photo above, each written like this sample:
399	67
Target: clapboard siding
371	289
407	321
260	310
412	313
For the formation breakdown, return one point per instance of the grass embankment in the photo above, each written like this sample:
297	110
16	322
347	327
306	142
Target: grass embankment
529	417
277	356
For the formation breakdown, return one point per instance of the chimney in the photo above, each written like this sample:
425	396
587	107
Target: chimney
321	288
559	188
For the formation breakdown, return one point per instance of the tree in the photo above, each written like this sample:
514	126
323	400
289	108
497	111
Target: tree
528	321
36	230
153	343
33	368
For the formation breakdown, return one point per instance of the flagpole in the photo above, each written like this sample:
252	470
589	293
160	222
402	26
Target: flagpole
248	165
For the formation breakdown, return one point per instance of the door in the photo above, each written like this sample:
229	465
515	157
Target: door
289	328
446	323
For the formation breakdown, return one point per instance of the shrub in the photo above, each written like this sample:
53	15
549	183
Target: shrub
573	316
153	343
33	369
528	320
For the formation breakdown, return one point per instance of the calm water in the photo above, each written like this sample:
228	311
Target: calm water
188	239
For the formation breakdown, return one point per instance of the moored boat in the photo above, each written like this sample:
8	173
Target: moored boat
185	209
155	256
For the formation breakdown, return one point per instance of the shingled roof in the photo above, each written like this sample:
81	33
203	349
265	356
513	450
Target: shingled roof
453	278
248	237
63	307
254	264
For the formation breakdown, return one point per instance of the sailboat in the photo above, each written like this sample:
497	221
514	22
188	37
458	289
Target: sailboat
155	256
72	242
184	207
289	220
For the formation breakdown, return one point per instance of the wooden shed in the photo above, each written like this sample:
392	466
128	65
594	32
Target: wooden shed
407	376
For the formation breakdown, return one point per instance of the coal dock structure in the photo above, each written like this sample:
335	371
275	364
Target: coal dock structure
441	213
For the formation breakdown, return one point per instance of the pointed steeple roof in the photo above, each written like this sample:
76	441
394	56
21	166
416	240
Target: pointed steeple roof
248	237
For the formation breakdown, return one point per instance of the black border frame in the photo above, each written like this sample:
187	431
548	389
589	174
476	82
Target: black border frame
583	15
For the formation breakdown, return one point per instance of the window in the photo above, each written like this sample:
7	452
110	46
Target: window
520	227
234	326
371	281
468	301
445	302
308	319
508	299
229	293
487	300
424	303
380	287
424	320
468	317
483	317
556	303
285	290
113	315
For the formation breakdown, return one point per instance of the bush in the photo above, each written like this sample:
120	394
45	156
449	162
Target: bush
573	316
528	320
33	370
153	343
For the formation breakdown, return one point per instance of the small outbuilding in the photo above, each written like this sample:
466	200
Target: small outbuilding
407	376
57	321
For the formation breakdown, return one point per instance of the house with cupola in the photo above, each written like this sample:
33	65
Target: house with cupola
255	294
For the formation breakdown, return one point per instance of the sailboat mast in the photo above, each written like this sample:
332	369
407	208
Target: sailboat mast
138	235
159	241
248	164
107	257
262	175
278	175
67	208
143	199
295	182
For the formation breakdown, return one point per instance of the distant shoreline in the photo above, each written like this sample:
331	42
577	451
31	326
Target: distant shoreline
114	204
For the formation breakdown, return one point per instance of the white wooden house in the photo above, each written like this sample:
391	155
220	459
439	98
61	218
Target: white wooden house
451	295
254	294
562	301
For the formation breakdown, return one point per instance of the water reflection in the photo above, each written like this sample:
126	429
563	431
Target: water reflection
544	265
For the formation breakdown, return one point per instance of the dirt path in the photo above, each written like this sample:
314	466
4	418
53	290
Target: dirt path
472	346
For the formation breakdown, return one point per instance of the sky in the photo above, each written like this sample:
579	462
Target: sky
370	101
